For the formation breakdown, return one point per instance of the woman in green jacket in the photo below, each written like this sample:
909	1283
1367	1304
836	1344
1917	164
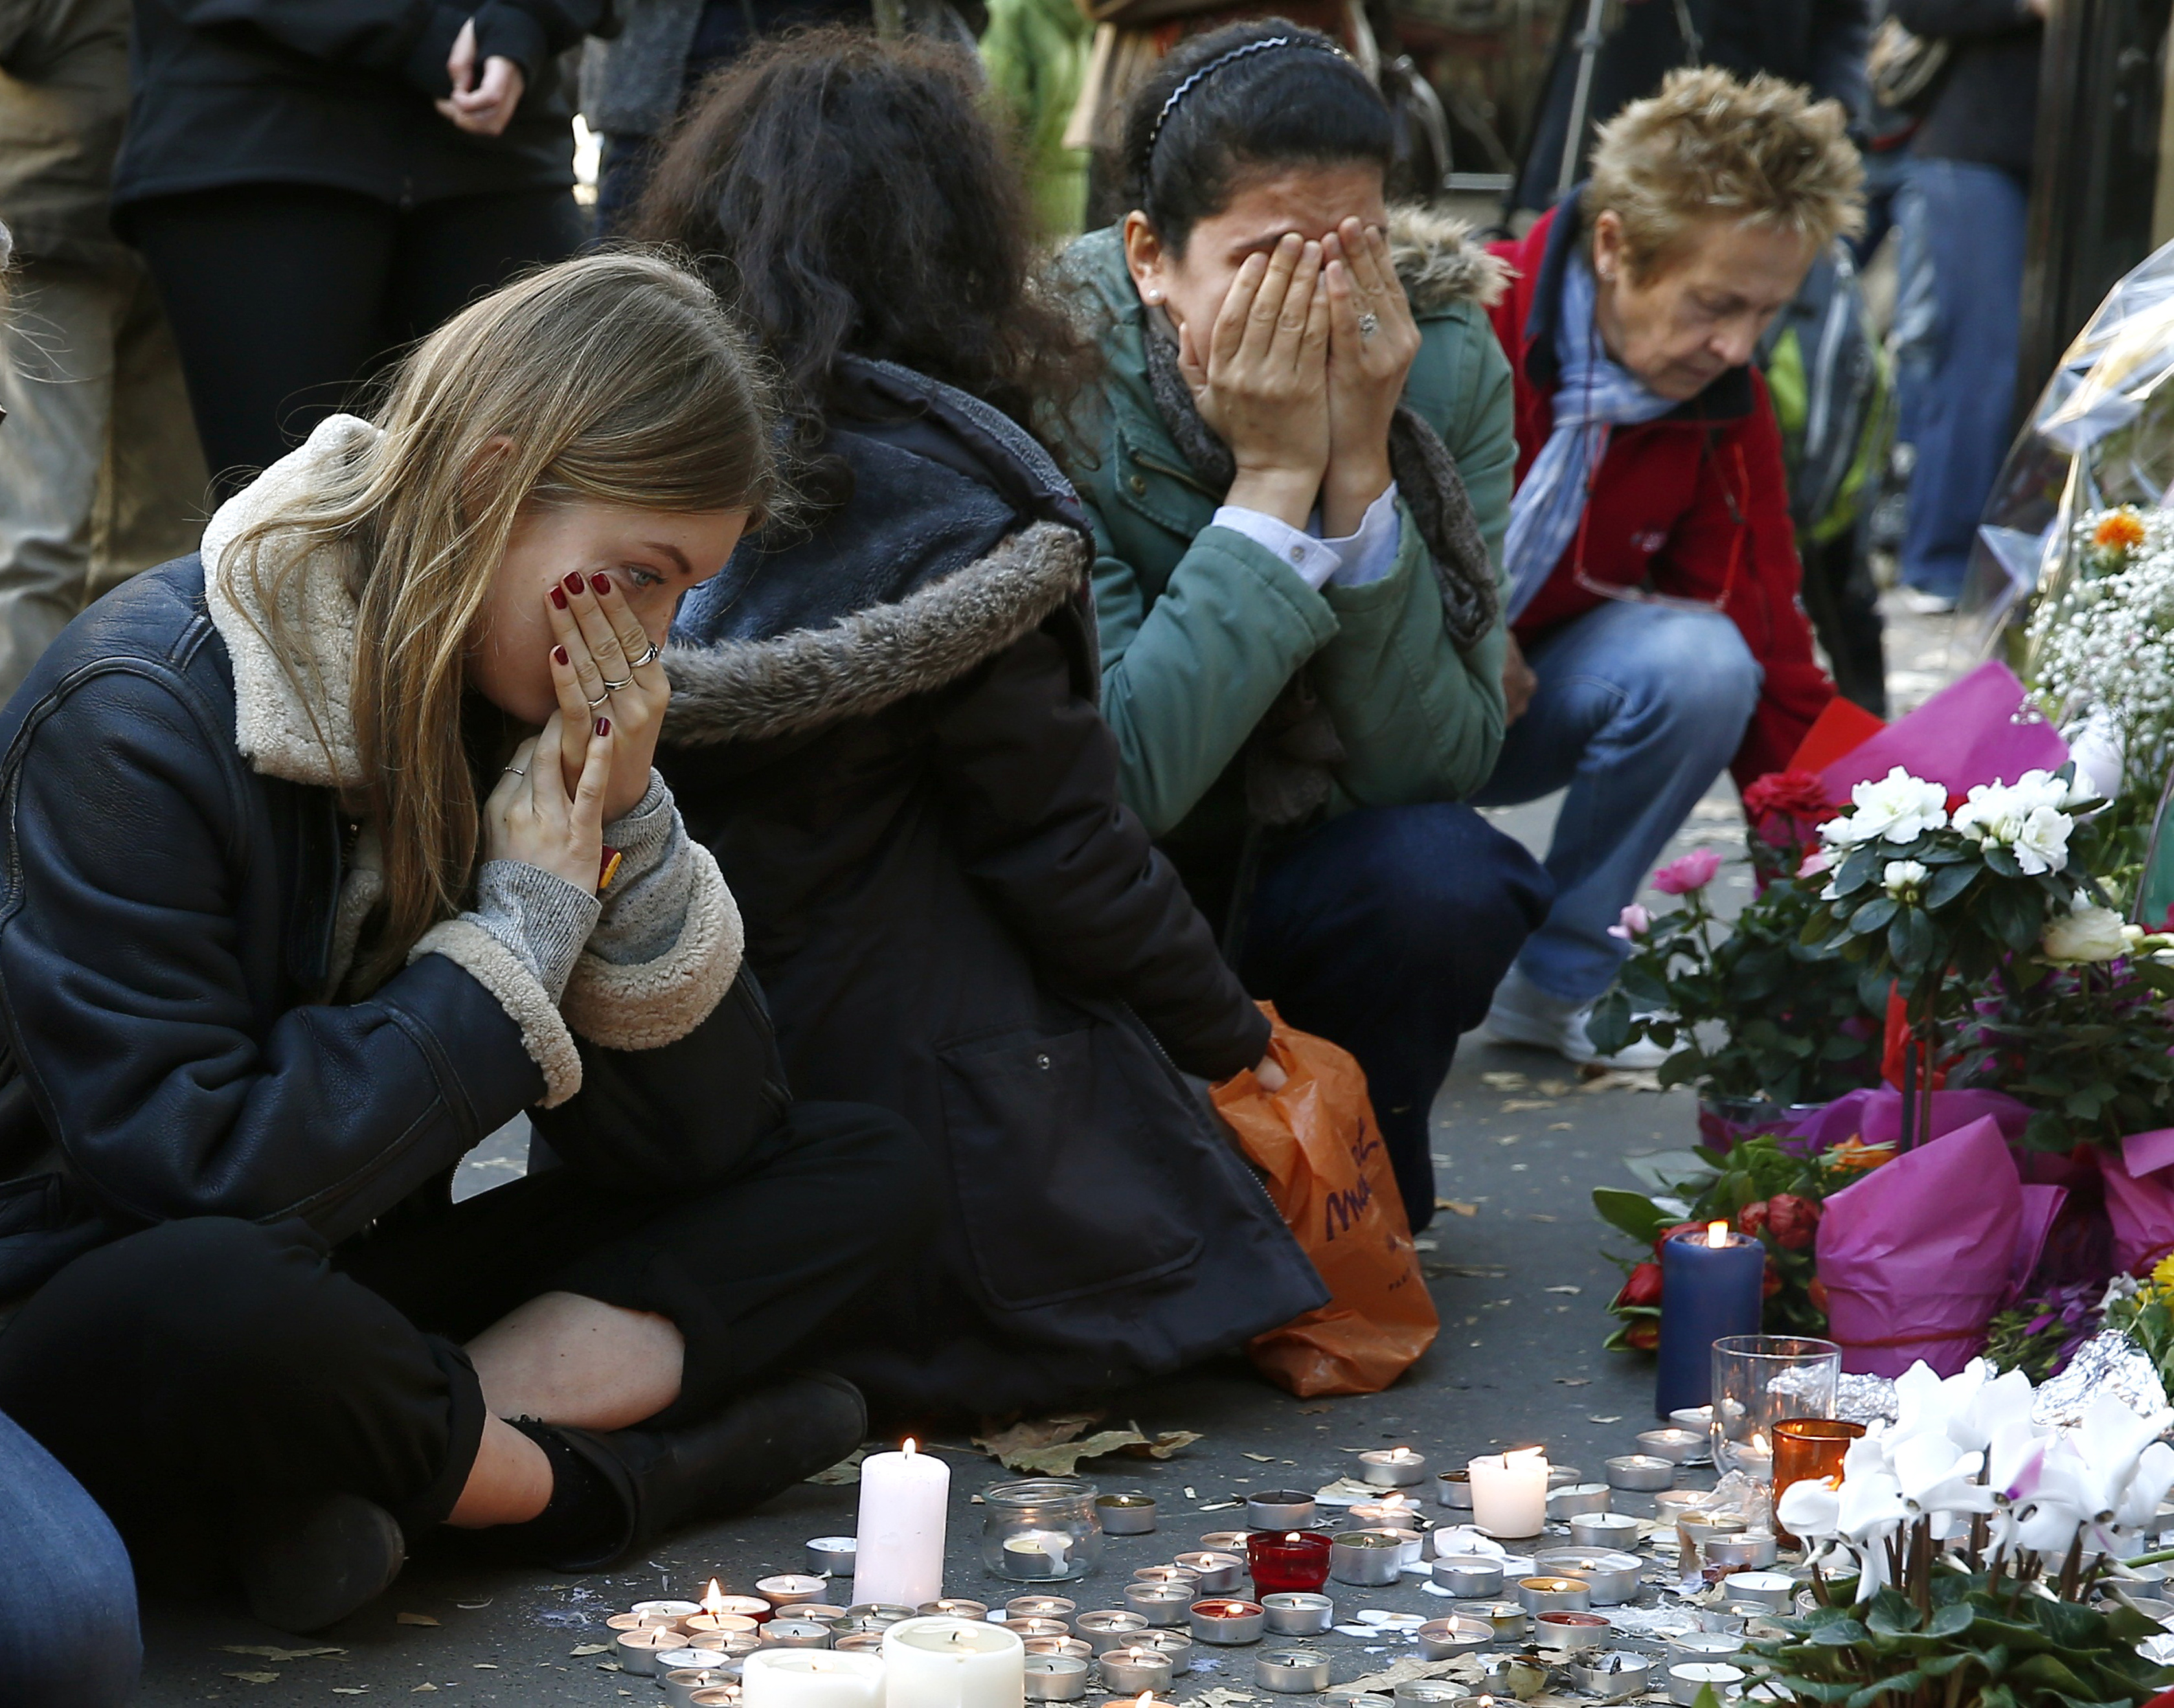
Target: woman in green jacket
1298	471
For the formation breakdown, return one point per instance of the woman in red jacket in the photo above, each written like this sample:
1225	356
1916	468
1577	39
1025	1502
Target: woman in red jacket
1653	577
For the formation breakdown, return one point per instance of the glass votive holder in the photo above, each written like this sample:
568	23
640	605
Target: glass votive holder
1808	1448
1758	1381
1040	1529
1290	1560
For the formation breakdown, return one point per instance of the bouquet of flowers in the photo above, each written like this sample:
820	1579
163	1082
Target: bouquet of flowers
1952	1558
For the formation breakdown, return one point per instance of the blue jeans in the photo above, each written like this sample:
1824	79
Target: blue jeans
67	1597
1638	709
1959	390
1385	931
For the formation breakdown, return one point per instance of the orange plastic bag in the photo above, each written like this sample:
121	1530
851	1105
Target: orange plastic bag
1329	1174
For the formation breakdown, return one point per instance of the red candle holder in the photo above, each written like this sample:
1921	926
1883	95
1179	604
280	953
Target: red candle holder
1283	1560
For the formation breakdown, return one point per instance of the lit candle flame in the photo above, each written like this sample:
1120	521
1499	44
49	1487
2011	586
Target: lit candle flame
713	1599
1717	1233
1759	1442
1537	1454
909	1450
1293	1537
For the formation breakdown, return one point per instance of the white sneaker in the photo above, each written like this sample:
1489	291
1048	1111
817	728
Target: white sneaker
1524	1014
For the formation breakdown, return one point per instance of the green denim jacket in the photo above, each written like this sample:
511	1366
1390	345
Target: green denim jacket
1201	627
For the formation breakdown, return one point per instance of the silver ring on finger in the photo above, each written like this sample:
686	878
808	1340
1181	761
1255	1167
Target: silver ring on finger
616	686
515	771
651	656
601	698
1369	324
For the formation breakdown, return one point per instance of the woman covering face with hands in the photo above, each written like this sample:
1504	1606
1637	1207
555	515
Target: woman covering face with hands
333	851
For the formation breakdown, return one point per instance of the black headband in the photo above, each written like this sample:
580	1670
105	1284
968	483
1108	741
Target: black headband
1308	44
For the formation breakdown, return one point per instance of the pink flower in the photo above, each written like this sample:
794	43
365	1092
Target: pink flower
1818	861
1634	924
1694	871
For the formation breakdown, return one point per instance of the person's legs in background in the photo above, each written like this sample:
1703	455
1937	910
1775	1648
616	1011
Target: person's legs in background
1638	708
623	167
68	1637
1968	221
450	253
1385	931
152	491
276	296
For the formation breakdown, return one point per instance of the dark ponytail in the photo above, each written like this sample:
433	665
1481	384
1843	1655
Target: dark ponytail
1263	94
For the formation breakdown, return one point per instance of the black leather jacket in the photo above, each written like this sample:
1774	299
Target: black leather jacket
166	1044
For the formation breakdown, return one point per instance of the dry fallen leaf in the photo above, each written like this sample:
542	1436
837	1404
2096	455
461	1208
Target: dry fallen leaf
413	1619
421	1688
472	1606
1311	1411
255	1678
847	1470
1595	1418
1457	1207
590	1648
267	1651
1508	1138
1575	1382
1023	1447
1536	1217
1564	1289
1262	1459
1221	1698
1483	1272
1504	1081
350	1689
1518	1105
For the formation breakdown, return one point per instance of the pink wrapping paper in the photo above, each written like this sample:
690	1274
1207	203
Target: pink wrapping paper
2139	1200
1875	1114
1963	735
1917	1256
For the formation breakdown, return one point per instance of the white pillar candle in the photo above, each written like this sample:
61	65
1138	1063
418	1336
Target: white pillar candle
939	1662
1510	1492
900	1555
811	1679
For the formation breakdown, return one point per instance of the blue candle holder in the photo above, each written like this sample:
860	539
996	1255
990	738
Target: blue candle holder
1707	1291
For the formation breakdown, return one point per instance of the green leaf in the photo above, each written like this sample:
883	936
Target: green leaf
1873	915
1950	882
1902	1684
1608	1026
1950	1619
1634	1214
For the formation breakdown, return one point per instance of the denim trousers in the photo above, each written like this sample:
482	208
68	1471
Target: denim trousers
67	1598
1638	708
1385	931
1958	383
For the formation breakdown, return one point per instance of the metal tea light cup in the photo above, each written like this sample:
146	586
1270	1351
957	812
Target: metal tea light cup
1175	1643
1703	1645
681	1683
1642	1473
1678	1445
1747	1549
1612	1577
1058	1645
1184	1576
1041	1607
1548	1593
1129	1671
1056	1678
1468	1575
1453	1489
1513	1675
715	1696
1280	1509
858	1643
1429	1693
1291	1671
790	1589
1612	1674
1159	1604
1110	1628
833	1556
1038	1627
888	1612
1771	1589
637	1651
1574	1500
1507	1619
1615	1531
1297	1613
1368	1558
1687	1678
1226	1621
1391	1468
951	1607
796	1634
665	1613
1126	1515
1566	1633
1220	1573
1226	1541
1442	1640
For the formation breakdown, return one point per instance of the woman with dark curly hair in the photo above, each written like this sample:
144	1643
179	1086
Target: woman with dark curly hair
885	728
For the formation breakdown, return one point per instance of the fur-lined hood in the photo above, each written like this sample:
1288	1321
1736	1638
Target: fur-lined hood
1440	262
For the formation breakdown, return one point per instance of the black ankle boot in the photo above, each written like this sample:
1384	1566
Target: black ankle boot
306	1567
746	1451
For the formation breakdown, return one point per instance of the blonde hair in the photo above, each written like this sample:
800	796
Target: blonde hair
1709	148
615	378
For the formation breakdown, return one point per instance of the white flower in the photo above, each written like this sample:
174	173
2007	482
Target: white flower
2025	815
1899	807
1905	879
2043	843
1810	1507
2085	933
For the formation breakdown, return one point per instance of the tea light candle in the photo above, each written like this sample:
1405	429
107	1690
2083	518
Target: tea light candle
1058	1645
1127	1670
1510	1492
1615	1674
1055	1678
801	1679
1611	1530
1280	1509
1391	1468
1429	1693
1563	1632
1703	1645
1696	1530
1442	1640
1613	1578
1507	1619
1468	1575
723	1626
1639	1471
1109	1628
1721	1621
1390	1513
1367	1557
1411	1545
1126	1515
1226	1622
821	1612
1177	1644
1687	1678
1554	1595
790	1589
899	1550
1041	1607
682	1682
644	1622
1747	1548
795	1633
1768	1589
1037	1627
1574	1500
858	1643
665	1613
1184	1574
953	1607
1672	1503
715	1696
1699	1419
1453	1489
1226	1541
1159	1604
1714	1282
832	1556
953	1663
1512	1675
1296	1559
1674	1445
700	1659
637	1651
1291	1671
1220	1573
1753	1458
1295	1614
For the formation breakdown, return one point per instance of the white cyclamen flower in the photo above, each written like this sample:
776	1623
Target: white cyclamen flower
2027	815
1899	807
1905	879
2086	933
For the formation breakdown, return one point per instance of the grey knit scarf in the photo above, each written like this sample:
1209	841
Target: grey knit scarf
1292	753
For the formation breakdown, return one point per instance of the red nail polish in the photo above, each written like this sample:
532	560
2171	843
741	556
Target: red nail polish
560	653
603	725
559	597
574	583
602	584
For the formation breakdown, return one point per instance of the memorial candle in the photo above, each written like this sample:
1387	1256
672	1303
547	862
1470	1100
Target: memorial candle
951	1663
1510	1492
1713	1285
811	1679
899	1552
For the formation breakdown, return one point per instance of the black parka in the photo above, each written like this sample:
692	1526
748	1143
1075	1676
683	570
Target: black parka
885	730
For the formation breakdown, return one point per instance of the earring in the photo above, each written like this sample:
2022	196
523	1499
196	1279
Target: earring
1154	296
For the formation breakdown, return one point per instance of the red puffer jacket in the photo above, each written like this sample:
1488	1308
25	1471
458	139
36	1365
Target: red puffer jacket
1693	505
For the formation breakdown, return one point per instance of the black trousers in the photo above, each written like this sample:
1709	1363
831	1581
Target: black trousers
205	1369
285	298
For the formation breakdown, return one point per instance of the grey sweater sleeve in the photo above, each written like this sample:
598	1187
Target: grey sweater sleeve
647	905
540	920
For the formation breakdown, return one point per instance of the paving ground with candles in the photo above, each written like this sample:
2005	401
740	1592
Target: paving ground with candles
1517	1270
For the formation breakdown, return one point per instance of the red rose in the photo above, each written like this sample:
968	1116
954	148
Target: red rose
1643	1335
1643	1286
1752	1219
1798	794
1793	1221
1666	1234
1771	1283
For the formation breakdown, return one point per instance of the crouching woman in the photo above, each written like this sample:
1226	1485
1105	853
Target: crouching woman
330	851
